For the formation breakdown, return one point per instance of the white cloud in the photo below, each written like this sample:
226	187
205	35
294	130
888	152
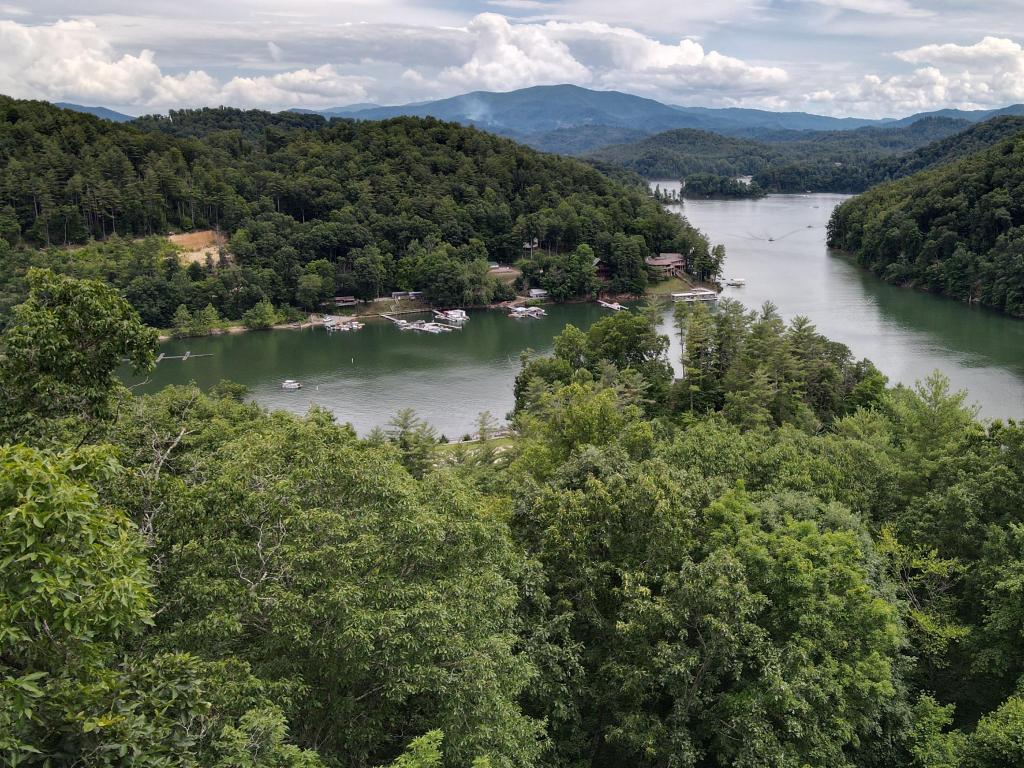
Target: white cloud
992	52
900	8
629	59
989	73
71	60
507	56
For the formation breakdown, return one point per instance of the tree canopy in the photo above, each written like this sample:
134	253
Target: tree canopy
956	230
312	209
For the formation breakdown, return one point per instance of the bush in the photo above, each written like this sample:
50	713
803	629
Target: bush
262	315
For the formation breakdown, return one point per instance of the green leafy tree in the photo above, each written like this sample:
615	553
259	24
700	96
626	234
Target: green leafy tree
183	321
262	315
73	587
59	354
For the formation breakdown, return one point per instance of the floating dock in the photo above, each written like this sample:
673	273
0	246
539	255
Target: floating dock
695	295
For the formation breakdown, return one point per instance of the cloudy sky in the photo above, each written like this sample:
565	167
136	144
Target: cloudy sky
843	57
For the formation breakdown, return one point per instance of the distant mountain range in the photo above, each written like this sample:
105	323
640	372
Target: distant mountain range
106	114
572	120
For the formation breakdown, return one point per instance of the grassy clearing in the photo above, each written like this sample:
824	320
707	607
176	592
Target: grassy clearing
665	287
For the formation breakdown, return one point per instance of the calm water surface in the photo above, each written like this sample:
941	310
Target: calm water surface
365	376
777	244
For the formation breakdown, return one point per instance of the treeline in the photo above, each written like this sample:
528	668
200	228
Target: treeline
313	209
957	230
811	569
815	161
708	186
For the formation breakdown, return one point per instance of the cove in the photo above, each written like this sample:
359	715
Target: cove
776	243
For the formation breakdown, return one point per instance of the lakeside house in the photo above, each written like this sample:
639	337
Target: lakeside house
667	264
345	301
538	293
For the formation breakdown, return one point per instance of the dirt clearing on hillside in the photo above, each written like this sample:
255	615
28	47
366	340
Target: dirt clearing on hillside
196	245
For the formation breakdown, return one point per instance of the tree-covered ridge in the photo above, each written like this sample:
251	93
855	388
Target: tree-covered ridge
956	230
313	209
819	161
644	577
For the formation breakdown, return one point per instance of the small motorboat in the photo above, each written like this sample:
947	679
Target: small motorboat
290	384
736	282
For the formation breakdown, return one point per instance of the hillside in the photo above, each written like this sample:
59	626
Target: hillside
957	229
783	161
313	208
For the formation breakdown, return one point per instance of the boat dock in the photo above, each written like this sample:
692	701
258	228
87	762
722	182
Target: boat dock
695	295
612	305
532	312
422	326
187	356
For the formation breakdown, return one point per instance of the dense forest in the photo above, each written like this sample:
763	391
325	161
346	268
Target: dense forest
956	230
816	161
776	560
313	208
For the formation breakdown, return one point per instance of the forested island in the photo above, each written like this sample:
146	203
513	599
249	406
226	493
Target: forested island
313	209
775	560
957	230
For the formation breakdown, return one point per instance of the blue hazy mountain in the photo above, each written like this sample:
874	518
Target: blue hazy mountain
574	120
106	114
971	115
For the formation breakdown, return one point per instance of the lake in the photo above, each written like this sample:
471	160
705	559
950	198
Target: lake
364	377
776	243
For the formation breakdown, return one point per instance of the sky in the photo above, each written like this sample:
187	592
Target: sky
865	58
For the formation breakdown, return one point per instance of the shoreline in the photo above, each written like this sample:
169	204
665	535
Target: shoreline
315	320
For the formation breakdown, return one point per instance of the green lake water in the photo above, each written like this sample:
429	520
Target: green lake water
777	244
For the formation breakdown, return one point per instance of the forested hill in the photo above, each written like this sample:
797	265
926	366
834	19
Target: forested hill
797	161
313	208
957	229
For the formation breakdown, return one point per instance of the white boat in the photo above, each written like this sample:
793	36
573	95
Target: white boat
452	315
291	384
738	282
